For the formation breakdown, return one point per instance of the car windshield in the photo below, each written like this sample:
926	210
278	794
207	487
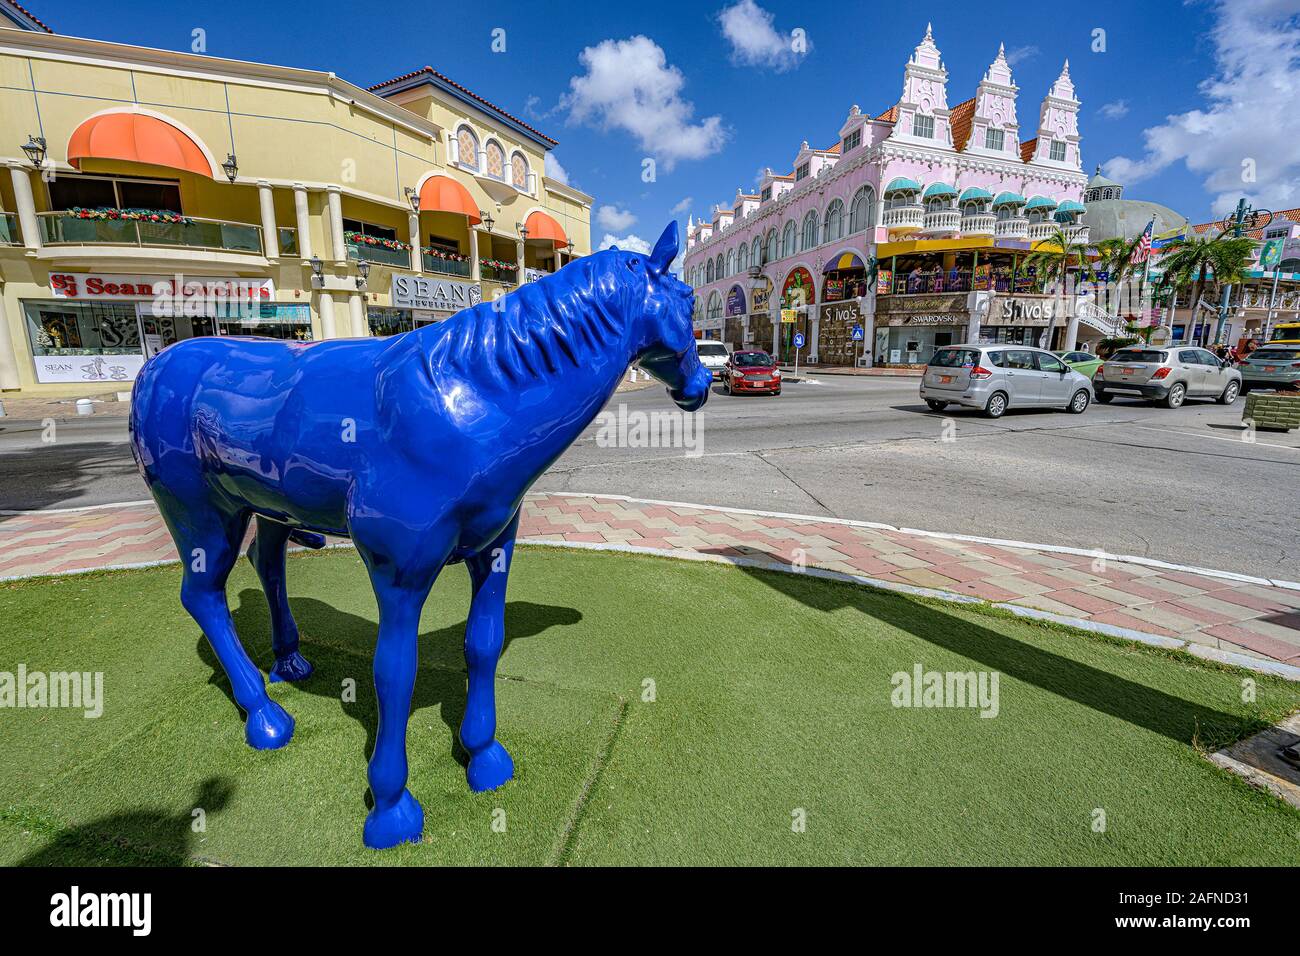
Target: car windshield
1275	355
712	348
1139	355
955	358
751	359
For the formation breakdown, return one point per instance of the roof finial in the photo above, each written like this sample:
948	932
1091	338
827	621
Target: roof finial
1098	172
928	34
1065	70
1002	49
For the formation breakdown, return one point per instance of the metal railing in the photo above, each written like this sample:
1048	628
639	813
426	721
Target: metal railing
60	228
288	240
380	255
446	267
504	276
959	280
9	233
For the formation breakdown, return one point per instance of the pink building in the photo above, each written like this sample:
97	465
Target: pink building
953	190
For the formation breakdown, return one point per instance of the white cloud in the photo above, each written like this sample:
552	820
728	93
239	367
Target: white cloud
1115	110
1019	54
553	170
754	41
681	207
628	243
1245	138
629	85
614	219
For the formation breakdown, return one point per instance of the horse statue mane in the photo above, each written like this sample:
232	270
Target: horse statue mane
420	448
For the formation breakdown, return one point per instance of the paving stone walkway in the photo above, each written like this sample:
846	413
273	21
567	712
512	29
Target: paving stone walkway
1234	613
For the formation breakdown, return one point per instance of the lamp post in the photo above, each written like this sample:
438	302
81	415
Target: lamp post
488	221
1245	217
317	272
413	198
363	270
231	167
35	149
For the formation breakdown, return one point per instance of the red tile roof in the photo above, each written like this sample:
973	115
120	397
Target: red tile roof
468	92
27	13
890	115
960	121
1027	149
1293	215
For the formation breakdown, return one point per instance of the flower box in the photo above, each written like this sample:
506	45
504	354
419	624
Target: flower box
1278	411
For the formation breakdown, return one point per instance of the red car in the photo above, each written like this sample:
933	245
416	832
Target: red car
750	370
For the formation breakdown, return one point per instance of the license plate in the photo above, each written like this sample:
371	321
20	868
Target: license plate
1270	368
945	379
1127	371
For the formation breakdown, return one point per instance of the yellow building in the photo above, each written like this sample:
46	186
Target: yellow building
151	196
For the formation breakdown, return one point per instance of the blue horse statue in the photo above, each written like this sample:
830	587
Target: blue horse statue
420	448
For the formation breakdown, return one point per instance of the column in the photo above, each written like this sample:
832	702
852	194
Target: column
334	196
815	333
519	255
303	219
270	234
475	270
357	313
325	303
26	206
8	360
413	231
1071	330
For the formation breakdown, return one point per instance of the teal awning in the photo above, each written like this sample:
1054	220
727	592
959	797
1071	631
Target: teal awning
1009	199
1040	202
1070	207
902	184
974	194
935	190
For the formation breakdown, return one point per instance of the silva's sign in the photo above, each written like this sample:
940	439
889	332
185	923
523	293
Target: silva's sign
101	287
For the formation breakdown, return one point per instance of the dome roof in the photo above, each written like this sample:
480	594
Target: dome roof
1099	180
1126	218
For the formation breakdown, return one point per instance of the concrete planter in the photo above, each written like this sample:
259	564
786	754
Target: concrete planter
1272	411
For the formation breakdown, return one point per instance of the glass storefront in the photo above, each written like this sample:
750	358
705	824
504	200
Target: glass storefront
915	344
61	327
269	320
385	320
1011	334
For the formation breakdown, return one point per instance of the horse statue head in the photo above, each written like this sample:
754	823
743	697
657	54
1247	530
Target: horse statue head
663	341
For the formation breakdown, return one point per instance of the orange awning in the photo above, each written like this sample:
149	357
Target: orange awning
542	226
444	194
136	138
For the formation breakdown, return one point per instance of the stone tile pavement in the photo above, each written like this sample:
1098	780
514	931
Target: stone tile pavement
1230	612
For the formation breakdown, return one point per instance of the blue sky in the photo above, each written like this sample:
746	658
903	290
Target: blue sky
714	112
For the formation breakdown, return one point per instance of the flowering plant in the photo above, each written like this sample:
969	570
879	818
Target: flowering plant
437	253
360	238
498	264
132	215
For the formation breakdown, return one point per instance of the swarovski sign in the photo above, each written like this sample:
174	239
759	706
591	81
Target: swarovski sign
430	294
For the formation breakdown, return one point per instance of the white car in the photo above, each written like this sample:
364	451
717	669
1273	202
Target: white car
713	355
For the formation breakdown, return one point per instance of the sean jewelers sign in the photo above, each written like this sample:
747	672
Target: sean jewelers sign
434	295
88	368
176	289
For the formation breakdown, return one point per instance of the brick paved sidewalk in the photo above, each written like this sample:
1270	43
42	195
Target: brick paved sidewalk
1233	613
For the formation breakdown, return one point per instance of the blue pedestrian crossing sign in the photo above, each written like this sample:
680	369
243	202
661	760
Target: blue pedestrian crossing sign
858	333
798	340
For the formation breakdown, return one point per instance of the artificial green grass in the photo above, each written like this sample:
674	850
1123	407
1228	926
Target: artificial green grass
658	712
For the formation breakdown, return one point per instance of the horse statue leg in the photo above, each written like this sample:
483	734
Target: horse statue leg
209	542
489	764
267	557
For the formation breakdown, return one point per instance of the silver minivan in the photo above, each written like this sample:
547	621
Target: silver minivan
1169	375
994	378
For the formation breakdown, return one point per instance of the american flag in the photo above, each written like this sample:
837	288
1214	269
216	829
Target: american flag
1142	251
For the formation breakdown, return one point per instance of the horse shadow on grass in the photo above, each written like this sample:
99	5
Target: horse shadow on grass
341	647
136	837
1138	704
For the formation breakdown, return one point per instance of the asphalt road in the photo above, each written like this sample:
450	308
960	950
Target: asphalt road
1178	485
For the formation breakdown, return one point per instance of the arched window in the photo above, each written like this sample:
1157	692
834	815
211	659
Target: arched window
467	148
717	267
834	221
519	172
715	306
771	255
862	210
756	252
789	239
810	222
496	160
731	262
742	258
708	272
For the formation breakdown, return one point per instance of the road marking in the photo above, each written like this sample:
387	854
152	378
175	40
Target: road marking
1239	441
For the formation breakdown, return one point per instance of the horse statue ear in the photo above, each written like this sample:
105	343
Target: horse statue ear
666	248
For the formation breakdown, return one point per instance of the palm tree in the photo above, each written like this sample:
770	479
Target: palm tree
1198	258
1052	262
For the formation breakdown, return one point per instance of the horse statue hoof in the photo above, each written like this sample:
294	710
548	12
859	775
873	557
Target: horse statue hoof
269	727
292	668
403	822
490	768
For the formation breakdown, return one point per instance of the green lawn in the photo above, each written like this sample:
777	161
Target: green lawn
771	695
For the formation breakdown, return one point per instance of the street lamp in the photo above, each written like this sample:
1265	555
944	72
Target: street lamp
363	267
35	149
317	267
231	167
523	232
1246	217
413	198
488	221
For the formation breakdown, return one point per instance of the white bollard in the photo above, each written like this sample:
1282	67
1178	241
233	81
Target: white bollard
85	406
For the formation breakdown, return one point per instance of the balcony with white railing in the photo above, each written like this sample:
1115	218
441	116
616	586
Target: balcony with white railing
904	219
940	221
1076	233
978	224
1017	228
1038	231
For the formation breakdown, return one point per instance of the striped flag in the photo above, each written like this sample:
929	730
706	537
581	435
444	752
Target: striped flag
1142	251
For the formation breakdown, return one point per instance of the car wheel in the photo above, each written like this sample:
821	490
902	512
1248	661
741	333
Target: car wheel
1104	397
1079	404
996	405
777	392
1229	394
1177	392
936	406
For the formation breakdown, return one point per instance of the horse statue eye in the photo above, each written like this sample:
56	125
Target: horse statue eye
633	263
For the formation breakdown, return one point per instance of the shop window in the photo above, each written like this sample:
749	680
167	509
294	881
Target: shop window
82	328
1056	151
369	229
270	320
443	245
103	192
994	139
923	126
389	321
